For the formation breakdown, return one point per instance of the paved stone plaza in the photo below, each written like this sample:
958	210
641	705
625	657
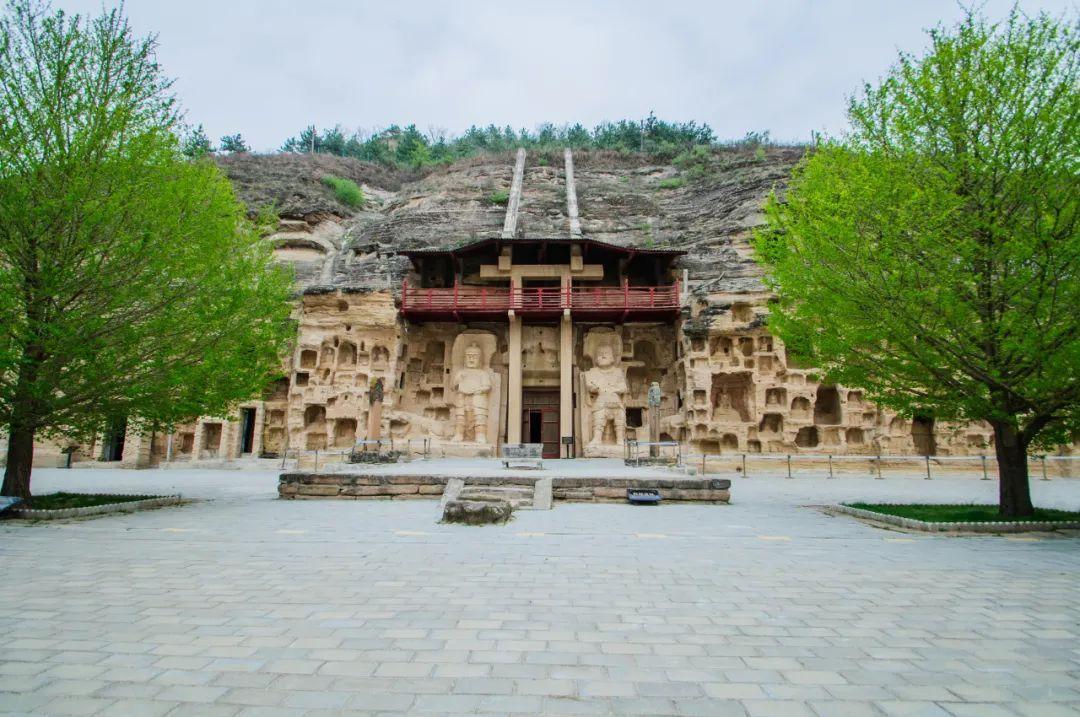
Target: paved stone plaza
242	604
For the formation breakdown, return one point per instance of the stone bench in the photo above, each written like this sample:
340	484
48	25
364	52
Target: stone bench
523	455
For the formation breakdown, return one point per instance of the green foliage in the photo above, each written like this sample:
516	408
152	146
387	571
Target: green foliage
696	162
196	144
267	219
346	190
672	182
234	143
932	256
499	197
944	513
408	148
61	501
131	284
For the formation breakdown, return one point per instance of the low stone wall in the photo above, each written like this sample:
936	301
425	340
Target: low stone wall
301	486
595	490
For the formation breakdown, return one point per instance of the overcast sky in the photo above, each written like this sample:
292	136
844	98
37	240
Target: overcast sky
268	68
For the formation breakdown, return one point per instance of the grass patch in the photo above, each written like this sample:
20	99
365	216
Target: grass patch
60	501
499	198
672	183
962	513
346	190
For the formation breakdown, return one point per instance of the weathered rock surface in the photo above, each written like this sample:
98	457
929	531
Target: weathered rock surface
621	199
470	512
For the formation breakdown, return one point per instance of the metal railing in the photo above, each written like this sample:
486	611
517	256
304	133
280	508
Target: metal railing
654	450
873	463
461	298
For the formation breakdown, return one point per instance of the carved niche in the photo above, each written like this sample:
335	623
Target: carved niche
603	414
476	388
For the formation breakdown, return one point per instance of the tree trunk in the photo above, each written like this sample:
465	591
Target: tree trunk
20	458
1014	493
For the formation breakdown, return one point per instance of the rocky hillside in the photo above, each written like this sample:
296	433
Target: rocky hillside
708	207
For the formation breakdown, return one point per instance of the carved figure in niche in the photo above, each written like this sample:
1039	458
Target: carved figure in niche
654	394
606	385
473	384
724	410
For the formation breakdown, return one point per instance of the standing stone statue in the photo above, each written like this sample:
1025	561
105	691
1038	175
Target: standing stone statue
654	417
606	385
375	398
472	384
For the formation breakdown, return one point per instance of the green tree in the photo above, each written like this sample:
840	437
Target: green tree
932	255
234	143
131	286
196	144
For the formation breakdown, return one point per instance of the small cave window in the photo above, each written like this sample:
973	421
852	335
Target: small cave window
633	418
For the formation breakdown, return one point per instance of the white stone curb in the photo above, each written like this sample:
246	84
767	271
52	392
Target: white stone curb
1018	526
125	507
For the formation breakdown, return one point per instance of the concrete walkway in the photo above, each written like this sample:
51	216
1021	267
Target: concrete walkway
241	604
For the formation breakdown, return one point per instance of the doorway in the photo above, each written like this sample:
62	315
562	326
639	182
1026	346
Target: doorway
113	445
247	430
540	419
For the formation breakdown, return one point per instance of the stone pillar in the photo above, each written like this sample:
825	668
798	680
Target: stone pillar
566	386
260	424
513	396
196	450
136	449
229	448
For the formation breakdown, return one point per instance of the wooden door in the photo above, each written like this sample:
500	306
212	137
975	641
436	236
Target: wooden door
540	419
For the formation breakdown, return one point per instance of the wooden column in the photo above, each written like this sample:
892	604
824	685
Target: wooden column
566	385
513	397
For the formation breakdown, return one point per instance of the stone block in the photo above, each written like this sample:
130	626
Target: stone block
318	490
360	491
400	489
476	513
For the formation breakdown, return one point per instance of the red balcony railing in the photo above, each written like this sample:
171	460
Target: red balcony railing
602	301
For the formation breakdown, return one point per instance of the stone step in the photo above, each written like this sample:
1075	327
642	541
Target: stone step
518	496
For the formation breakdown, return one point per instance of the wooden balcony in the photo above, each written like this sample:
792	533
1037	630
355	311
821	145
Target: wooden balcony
598	303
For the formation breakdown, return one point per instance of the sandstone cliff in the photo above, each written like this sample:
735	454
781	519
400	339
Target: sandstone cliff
708	210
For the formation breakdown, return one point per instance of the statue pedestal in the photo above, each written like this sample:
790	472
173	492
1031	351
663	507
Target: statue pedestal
462	449
604	450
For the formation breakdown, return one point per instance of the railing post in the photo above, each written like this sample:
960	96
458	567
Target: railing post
1043	467
985	477
927	467
877	464
743	465
830	465
316	459
789	465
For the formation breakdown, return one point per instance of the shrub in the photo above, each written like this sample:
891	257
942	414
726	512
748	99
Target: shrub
346	190
267	219
500	198
672	182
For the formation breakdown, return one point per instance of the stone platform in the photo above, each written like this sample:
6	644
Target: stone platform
571	480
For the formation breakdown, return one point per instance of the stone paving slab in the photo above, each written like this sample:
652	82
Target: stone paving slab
241	604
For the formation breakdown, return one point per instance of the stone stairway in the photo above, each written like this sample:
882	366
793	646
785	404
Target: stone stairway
518	496
523	495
